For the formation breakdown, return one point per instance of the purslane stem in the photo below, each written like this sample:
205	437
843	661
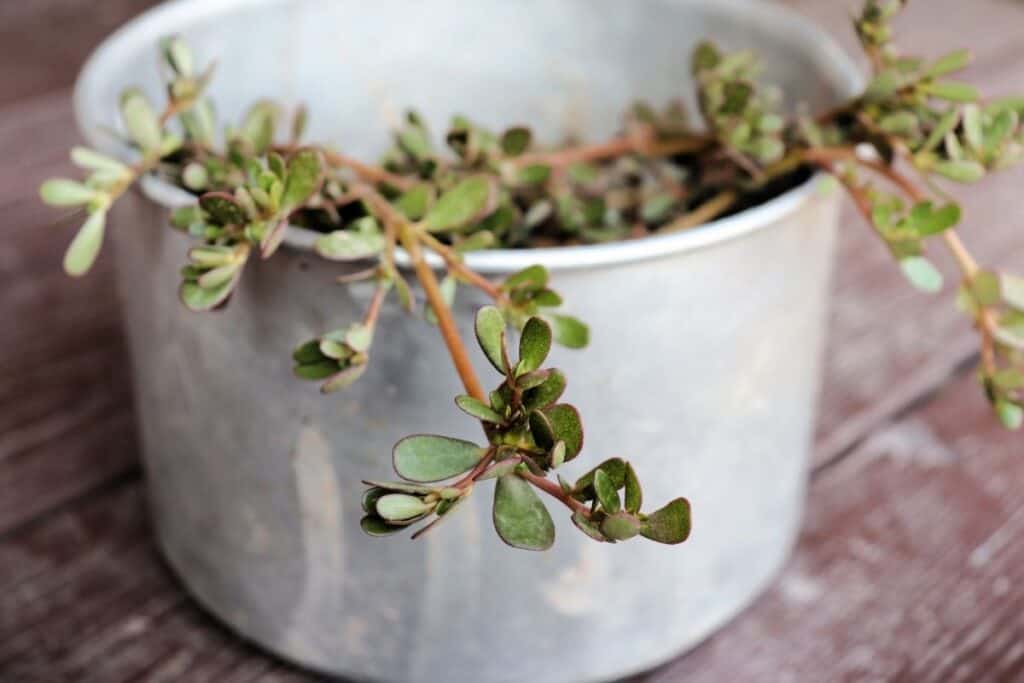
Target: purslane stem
455	264
445	320
986	319
555	491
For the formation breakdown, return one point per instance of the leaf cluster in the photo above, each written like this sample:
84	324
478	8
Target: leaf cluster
530	434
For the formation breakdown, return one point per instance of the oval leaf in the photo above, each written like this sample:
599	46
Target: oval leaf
426	458
921	273
520	517
633	494
375	526
464	204
568	427
534	345
398	507
223	208
82	252
478	409
568	331
541	430
490	333
343	379
547	393
607	493
305	176
621	526
140	120
61	192
670	524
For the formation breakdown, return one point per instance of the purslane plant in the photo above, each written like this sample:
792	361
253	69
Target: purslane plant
892	148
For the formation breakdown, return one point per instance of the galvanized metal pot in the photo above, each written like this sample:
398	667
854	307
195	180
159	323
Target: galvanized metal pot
254	477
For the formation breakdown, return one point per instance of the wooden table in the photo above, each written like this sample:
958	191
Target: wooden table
909	564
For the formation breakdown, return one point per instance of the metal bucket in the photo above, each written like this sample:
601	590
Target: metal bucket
254	477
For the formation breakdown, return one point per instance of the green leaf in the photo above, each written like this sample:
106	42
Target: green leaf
1010	414
1009	379
534	174
670	524
343	379
633	494
478	409
534	345
61	192
886	84
370	498
921	273
541	429
568	331
316	371
216	277
621	526
305	176
401	487
426	458
607	493
483	239
899	123
199	299
547	393
515	141
372	525
615	468
349	245
359	336
974	133
986	288
415	202
223	208
953	91
331	347
944	127
308	353
927	220
588	527
84	249
94	161
961	171
657	208
490	333
463	205
141	121
558	454
947	64
532	278
259	124
1012	288
520	517
399	507
177	55
567	426
273	238
532	380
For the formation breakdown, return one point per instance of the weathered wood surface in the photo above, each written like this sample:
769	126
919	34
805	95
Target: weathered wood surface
907	569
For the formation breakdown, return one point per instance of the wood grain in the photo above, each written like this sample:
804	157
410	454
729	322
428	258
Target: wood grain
909	565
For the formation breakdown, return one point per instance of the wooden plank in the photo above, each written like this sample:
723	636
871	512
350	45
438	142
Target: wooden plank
84	596
909	566
44	42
